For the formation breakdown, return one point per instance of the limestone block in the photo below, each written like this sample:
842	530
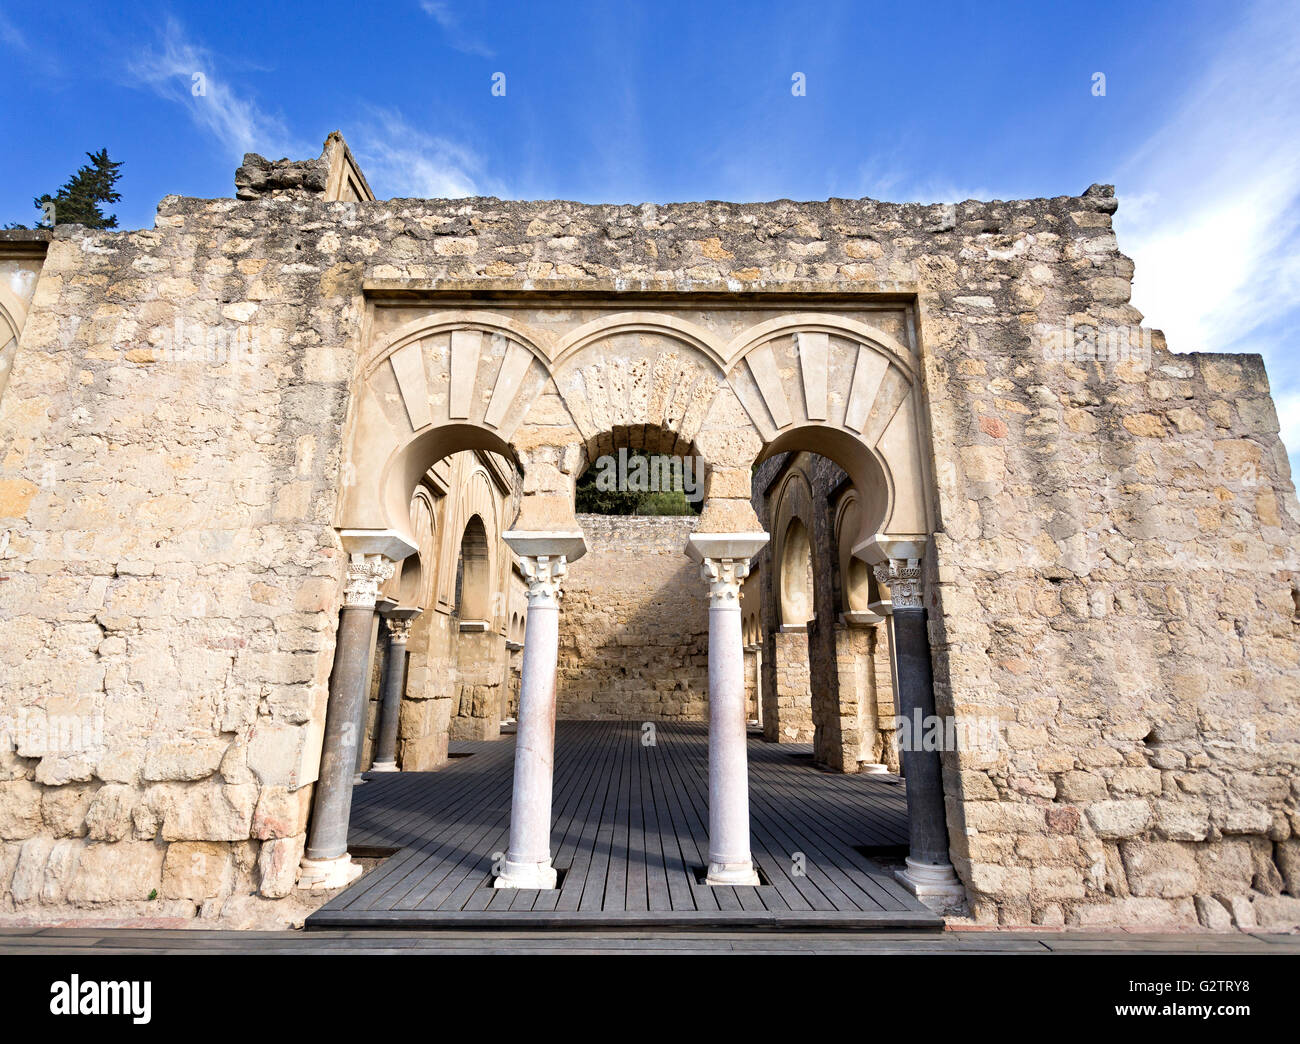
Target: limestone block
63	809
1166	869
117	870
1276	911
1142	912
280	812
29	872
209	812
277	865
1288	861
1212	913
274	752
1226	867
1115	820
109	816
20	809
196	870
184	758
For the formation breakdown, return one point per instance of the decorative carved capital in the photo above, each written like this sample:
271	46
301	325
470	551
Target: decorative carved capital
903	578
544	574
725	576
399	631
366	574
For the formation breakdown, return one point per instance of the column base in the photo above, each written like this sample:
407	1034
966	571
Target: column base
526	875
873	768
384	766
321	875
936	886
726	874
357	780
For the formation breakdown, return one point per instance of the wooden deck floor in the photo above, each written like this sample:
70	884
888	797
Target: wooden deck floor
630	836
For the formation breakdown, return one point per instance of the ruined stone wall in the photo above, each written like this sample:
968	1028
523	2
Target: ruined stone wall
634	626
1113	575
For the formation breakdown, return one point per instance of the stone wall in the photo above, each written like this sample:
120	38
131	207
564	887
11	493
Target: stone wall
1112	576
634	627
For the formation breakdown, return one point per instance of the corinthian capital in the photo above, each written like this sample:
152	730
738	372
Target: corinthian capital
544	574
903	578
725	576
366	574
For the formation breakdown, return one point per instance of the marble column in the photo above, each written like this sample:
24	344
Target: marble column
929	874
724	564
392	688
383	605
544	562
326	863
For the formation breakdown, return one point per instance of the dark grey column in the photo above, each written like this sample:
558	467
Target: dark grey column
929	874
928	827
326	863
382	606
393	688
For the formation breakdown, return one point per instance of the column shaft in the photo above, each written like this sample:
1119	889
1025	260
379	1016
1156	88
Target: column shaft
528	856
927	824
729	854
326	863
929	874
393	688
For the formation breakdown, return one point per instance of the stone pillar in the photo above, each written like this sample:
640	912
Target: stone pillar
724	563
393	688
383	604
929	874
544	560
326	863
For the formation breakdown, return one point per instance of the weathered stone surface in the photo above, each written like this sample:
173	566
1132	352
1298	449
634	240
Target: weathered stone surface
109	815
1112	527
183	759
209	812
121	870
1164	869
277	866
20	809
1212	914
1119	819
196	870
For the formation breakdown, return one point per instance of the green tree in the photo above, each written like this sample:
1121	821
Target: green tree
78	201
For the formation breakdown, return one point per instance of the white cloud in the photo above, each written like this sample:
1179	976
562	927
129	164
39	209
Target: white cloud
1210	207
400	160
234	118
455	34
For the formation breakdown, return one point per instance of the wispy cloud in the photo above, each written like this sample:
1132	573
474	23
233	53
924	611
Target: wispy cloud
401	160
232	116
1210	207
455	33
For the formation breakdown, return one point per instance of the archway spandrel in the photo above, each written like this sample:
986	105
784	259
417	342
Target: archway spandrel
630	380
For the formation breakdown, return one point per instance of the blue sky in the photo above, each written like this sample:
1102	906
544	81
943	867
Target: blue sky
1199	127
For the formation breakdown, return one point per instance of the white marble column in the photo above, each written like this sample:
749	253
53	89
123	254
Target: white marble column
544	562
724	564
